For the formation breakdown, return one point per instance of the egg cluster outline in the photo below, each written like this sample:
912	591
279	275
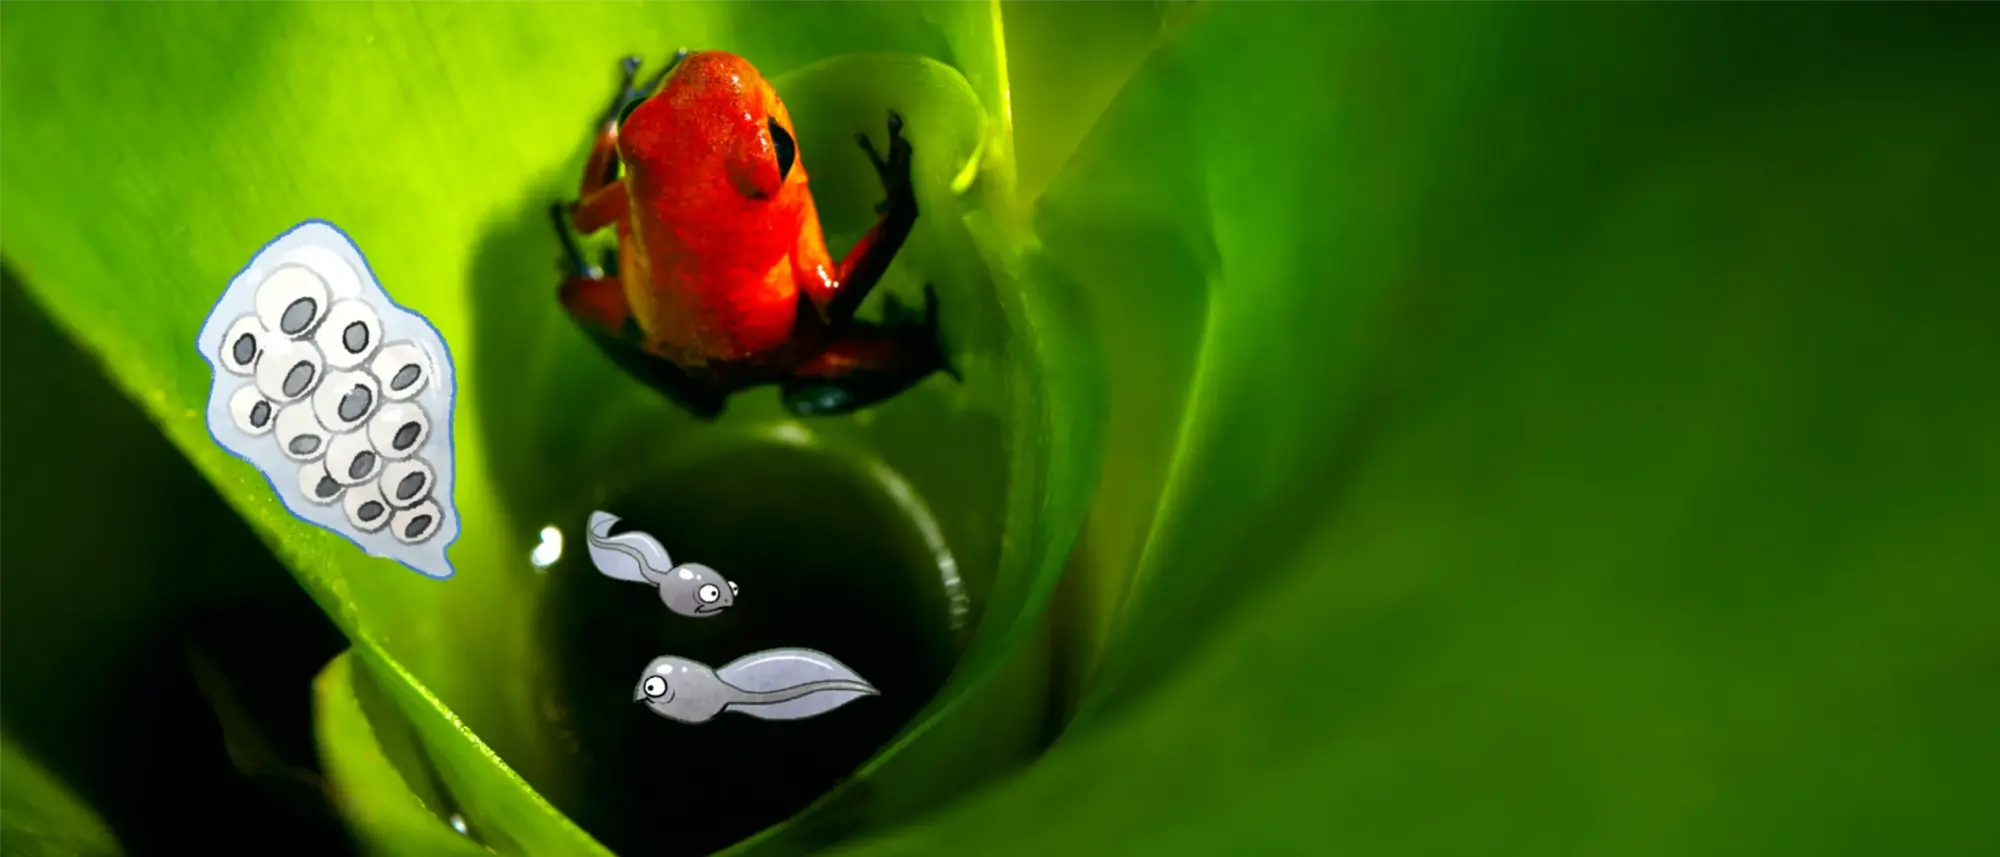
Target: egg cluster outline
339	396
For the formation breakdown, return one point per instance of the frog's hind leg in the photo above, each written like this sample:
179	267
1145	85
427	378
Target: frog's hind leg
598	305
600	195
702	399
865	364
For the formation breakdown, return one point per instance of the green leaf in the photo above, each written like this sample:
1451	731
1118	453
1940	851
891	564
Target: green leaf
40	817
45	647
1058	93
382	808
101	590
1546	430
1537	429
380	775
436	136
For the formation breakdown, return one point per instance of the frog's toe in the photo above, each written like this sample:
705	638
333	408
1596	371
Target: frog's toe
868	148
893	311
628	71
940	358
934	335
652	84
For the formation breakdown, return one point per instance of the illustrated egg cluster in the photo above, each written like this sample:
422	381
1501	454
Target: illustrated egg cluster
337	394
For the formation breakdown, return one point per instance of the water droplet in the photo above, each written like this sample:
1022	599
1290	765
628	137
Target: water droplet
550	549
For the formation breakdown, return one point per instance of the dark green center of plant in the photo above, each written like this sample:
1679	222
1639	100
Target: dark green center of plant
825	560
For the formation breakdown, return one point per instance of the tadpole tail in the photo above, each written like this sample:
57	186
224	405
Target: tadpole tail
601	524
798	702
773	697
626	556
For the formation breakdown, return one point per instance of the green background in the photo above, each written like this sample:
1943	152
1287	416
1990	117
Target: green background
1389	429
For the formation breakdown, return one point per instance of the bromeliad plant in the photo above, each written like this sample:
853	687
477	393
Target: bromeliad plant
1433	428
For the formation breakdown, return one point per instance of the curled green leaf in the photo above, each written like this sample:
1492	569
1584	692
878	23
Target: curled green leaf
41	817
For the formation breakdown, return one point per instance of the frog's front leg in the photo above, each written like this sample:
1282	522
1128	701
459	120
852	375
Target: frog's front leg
863	364
600	194
856	275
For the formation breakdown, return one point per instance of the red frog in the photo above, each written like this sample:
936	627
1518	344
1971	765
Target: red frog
721	280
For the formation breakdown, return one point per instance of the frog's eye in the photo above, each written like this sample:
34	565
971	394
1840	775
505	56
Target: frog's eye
708	593
655	686
787	149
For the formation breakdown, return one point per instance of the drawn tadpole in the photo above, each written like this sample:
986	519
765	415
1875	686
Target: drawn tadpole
779	684
690	589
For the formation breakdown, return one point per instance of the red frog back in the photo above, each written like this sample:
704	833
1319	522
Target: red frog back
718	211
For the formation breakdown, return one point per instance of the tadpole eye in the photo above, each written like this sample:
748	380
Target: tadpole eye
708	593
787	149
655	687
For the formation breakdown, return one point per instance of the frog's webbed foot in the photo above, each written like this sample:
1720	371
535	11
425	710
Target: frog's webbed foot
924	327
893	169
597	303
869	363
630	91
628	72
895	314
